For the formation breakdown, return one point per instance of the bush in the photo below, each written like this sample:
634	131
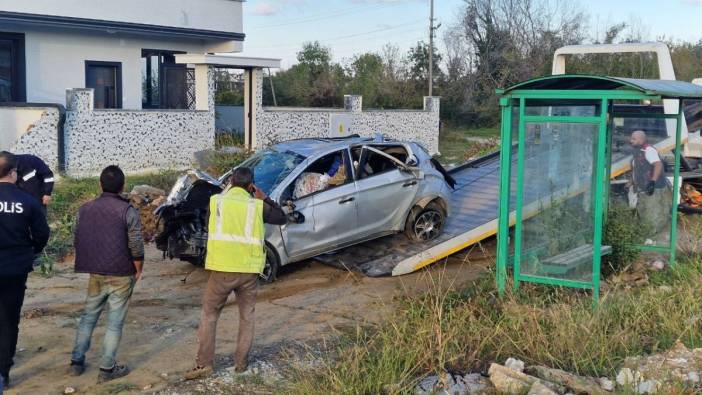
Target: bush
623	231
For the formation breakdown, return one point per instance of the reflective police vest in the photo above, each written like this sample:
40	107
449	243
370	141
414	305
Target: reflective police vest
236	233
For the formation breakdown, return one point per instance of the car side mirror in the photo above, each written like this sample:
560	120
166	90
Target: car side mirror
296	217
412	161
290	205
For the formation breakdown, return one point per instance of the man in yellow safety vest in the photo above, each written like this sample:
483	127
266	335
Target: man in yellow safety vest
235	258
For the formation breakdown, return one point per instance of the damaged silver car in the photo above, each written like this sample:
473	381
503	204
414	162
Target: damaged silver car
336	193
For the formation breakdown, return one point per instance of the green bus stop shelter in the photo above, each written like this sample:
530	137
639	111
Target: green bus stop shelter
565	150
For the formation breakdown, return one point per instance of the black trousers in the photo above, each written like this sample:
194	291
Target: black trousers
11	298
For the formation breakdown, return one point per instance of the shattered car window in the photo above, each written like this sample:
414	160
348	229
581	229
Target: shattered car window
271	167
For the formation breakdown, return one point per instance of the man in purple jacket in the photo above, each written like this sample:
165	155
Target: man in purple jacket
109	246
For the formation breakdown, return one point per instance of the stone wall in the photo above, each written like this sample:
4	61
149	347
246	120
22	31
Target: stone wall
137	141
38	138
275	124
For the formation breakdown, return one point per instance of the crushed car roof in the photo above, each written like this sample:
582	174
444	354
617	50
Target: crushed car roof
310	146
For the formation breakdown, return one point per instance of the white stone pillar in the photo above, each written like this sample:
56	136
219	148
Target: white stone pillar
202	88
253	103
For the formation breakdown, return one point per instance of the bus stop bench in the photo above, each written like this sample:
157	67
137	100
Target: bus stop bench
569	260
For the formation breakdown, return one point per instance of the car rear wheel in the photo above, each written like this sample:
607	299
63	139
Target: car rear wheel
270	270
425	224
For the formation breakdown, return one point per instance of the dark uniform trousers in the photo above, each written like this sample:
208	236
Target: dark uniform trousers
11	298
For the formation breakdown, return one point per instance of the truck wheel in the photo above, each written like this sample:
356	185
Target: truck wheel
425	224
270	270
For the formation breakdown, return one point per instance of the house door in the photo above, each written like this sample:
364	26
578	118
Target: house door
106	80
12	80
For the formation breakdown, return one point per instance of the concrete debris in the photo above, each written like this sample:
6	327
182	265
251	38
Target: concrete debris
578	384
69	390
538	388
508	381
450	384
515	364
649	387
627	377
606	384
147	199
677	364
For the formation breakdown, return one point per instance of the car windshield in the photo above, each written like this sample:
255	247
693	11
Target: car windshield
271	167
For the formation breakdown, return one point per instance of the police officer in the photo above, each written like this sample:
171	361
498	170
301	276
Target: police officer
35	177
235	258
23	233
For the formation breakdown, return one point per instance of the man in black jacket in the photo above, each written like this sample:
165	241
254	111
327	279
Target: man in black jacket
23	233
35	177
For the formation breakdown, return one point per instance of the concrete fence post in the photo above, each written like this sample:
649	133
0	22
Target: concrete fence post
80	99
432	103
353	103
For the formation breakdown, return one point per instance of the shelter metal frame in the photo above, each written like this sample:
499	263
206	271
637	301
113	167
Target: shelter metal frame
578	88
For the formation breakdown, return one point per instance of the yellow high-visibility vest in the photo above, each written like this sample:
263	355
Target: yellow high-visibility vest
235	243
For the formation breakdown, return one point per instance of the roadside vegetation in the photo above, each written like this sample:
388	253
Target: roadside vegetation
458	145
465	330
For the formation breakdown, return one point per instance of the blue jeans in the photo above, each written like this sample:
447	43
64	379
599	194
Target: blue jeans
115	292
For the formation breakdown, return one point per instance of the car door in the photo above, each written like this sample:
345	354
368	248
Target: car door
386	190
330	214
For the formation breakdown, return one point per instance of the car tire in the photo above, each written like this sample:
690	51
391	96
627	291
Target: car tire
425	224
270	270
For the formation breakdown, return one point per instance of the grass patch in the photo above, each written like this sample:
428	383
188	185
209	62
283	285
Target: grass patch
457	143
69	194
228	140
216	163
465	331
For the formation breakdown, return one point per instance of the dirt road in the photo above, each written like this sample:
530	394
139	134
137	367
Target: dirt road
308	301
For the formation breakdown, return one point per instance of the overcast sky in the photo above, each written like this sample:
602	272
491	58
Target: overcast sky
278	28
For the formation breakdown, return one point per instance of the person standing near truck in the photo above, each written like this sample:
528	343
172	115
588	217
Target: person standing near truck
23	233
653	196
236	256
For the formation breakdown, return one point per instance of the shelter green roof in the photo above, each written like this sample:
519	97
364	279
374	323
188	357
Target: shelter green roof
663	88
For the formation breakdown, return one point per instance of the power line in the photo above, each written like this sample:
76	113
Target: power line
345	37
347	11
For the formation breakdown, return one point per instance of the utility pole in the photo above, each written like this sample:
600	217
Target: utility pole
431	48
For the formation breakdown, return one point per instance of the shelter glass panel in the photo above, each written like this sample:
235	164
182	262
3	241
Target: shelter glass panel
558	208
643	165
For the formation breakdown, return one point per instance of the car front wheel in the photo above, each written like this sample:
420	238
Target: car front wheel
425	224
270	270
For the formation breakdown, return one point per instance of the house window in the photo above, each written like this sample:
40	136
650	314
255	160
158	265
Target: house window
12	77
164	83
106	79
